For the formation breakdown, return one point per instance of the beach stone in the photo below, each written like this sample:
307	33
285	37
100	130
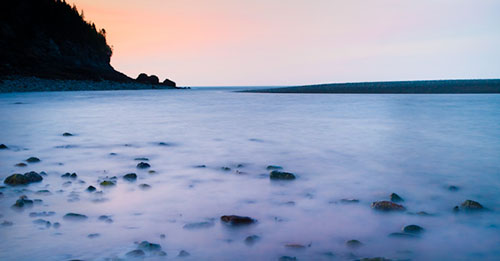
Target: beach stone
143	165
353	243
183	253
75	217
387	206
22	202
32	160
33	177
237	220
69	175
148	246
21	164
273	167
453	188
281	175
413	229
130	177
107	183
250	240
396	198
16	179
67	134
3	147
135	253
471	205
287	258
91	189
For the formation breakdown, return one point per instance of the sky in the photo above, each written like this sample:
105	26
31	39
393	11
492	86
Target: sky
295	42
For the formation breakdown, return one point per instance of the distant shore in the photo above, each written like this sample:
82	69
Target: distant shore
396	87
35	84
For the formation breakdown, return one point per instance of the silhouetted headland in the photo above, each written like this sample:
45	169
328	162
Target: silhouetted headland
42	41
396	87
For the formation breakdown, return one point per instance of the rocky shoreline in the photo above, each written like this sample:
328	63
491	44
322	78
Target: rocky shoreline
35	84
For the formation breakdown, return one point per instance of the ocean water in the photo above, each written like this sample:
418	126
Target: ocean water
362	147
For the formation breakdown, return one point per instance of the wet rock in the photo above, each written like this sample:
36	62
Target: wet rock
349	200
142	159
471	205
183	253
16	180
151	172
56	225
353	243
3	147
69	175
32	160
75	217
456	208
67	184
387	206
200	166
43	192
423	213
145	186
225	168
413	229
33	177
198	225
21	164
91	189
274	167
67	134
295	246
453	188
287	258
148	246
42	222
130	177
396	198
143	165
6	223
237	220
93	235
162	236
135	253
37	201
23	201
251	240
105	218
164	144
112	154
402	235
107	183
281	175
42	214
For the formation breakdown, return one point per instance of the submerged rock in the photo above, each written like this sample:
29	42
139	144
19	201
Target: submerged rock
183	253
471	205
69	175
349	200
107	183
374	259
281	175
67	134
22	202
387	206
353	243
16	179
91	189
402	235
136	253
200	166
44	192
3	147
42	214
295	246
93	235
32	160
250	240
287	258
413	229
56	225
225	168
237	220
144	186
130	177
75	217
148	246
7	223
198	225
396	198
142	159
21	164
143	165
274	167
453	188
42	222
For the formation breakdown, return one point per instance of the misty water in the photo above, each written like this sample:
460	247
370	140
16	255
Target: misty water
361	147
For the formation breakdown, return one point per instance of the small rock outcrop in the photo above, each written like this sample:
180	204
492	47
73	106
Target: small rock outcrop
130	177
3	147
413	229
387	206
143	165
169	83
281	175
32	160
471	205
19	179
237	220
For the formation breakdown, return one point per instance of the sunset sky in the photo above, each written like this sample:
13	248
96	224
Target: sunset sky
276	42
